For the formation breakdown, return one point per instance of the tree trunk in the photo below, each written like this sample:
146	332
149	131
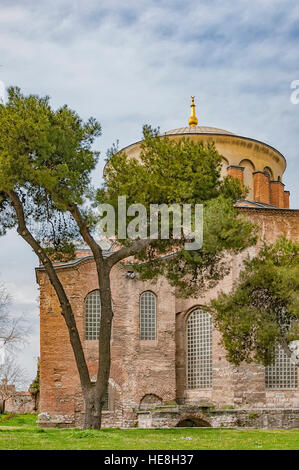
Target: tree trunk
66	308
95	398
93	409
101	385
2	407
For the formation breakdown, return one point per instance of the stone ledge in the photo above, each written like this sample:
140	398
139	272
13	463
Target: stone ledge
186	416
196	416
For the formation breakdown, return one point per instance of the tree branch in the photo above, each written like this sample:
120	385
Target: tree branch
127	251
88	238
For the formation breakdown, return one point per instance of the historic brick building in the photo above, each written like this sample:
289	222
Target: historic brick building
168	366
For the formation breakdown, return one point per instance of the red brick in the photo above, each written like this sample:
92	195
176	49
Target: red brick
261	187
139	367
277	196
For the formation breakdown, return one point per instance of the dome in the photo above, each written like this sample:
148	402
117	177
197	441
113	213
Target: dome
197	130
256	164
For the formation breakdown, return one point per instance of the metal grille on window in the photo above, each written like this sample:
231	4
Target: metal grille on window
199	354
282	373
92	315
148	316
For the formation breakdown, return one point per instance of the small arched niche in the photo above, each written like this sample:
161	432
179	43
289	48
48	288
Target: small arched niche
249	168
150	401
193	422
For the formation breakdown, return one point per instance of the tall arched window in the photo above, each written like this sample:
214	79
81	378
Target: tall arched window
268	172
249	168
281	374
148	316
199	352
92	315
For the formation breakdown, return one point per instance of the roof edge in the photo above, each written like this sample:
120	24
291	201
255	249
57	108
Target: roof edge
212	134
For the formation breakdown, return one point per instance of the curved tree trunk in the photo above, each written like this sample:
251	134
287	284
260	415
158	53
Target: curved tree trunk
95	395
66	308
2	407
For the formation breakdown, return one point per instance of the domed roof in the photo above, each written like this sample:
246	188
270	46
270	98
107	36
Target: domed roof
197	130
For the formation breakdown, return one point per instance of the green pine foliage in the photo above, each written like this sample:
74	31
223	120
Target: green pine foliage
181	172
35	385
263	307
46	156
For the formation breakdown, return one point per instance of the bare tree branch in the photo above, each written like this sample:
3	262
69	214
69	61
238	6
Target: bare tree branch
13	330
12	379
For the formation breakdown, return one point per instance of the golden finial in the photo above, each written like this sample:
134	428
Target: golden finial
193	121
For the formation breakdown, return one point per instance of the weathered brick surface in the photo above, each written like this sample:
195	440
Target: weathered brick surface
137	365
277	194
236	172
21	402
286	199
141	368
261	188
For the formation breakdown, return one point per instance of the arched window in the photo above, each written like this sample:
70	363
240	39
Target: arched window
199	352
268	172
92	315
249	168
148	314
281	374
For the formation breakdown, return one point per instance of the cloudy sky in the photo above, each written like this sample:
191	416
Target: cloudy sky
136	62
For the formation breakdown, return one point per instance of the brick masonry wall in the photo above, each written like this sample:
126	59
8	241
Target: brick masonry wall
277	194
21	402
261	188
242	386
286	199
137	366
236	172
141	368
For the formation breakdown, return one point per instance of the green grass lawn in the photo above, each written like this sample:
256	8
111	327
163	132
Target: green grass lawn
20	432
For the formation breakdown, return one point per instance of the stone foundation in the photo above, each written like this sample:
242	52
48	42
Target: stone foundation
194	416
110	419
184	416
